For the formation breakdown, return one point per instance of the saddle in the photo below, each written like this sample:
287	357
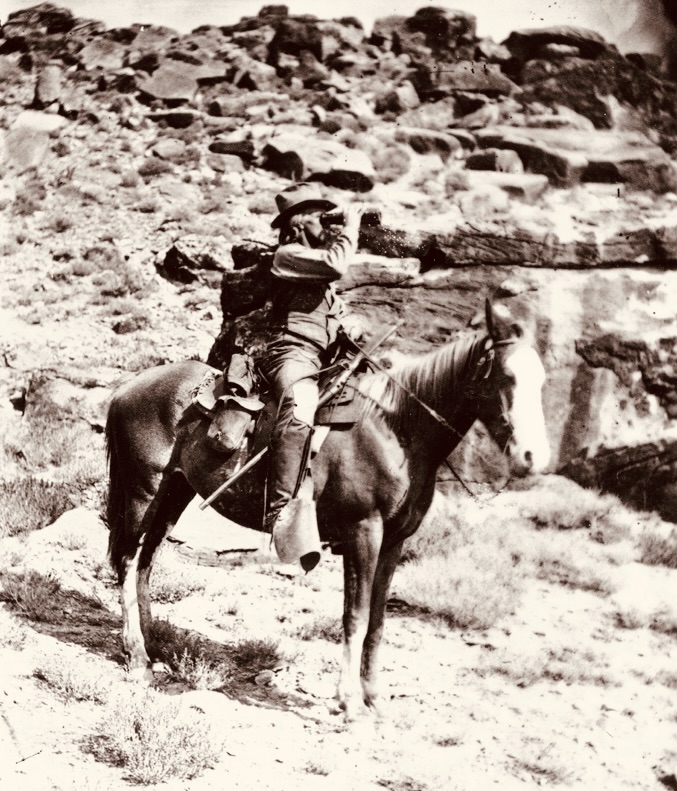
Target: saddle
240	407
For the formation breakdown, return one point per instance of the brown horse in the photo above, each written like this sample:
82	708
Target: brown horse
373	481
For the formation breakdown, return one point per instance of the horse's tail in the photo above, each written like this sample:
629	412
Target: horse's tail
115	501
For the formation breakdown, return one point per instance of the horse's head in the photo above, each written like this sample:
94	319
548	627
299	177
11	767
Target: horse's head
512	410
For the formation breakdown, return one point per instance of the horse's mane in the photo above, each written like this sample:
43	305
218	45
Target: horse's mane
436	378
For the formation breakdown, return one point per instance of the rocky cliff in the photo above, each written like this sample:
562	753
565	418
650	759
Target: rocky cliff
539	170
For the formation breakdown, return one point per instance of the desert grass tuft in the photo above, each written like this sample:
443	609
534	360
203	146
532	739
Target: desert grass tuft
657	550
321	628
473	588
28	504
30	594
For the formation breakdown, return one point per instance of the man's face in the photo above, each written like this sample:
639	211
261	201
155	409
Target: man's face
310	224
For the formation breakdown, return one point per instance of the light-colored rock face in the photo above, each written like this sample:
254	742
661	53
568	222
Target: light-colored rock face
611	405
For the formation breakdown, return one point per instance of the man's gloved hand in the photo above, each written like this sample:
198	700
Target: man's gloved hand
352	214
352	328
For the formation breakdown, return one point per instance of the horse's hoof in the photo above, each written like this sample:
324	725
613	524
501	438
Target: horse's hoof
140	675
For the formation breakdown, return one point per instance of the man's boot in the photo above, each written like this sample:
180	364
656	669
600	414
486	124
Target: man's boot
292	520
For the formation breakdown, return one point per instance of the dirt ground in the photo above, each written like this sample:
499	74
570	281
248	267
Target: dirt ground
467	709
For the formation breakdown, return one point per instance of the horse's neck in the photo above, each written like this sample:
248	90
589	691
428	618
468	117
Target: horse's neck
430	402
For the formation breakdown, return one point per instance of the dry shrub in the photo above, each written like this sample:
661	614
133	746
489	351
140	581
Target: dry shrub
30	195
115	276
561	564
603	515
254	656
155	739
28	504
75	679
199	672
170	584
153	166
58	223
167	642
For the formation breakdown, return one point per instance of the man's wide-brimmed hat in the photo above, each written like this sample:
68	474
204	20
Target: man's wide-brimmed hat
302	196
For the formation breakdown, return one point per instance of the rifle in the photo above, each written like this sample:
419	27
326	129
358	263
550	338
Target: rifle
328	394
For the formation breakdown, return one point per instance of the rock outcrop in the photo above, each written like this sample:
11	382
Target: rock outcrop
540	170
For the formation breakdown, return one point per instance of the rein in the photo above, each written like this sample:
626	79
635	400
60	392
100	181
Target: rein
487	358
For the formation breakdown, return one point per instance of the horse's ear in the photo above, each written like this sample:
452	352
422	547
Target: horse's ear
500	324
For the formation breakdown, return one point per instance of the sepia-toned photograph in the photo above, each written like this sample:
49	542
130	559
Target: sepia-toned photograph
338	395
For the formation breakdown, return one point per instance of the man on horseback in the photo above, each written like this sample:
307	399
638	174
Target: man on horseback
307	315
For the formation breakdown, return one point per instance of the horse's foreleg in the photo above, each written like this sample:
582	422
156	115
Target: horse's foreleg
359	566
385	569
171	500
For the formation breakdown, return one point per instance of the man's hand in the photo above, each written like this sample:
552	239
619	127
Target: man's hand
352	327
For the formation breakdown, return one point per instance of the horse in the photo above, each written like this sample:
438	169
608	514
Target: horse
373	481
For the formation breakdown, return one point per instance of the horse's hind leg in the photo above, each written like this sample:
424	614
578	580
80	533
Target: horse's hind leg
125	560
172	498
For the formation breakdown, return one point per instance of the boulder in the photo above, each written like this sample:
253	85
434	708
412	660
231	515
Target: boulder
193	258
44	18
251	74
583	85
303	158
526	45
340	38
292	37
49	87
102	54
502	160
431	32
172	80
226	163
178	81
423	141
244	149
24	148
569	156
367	269
310	70
563	167
529	187
151	38
169	148
398	99
468	76
643	476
